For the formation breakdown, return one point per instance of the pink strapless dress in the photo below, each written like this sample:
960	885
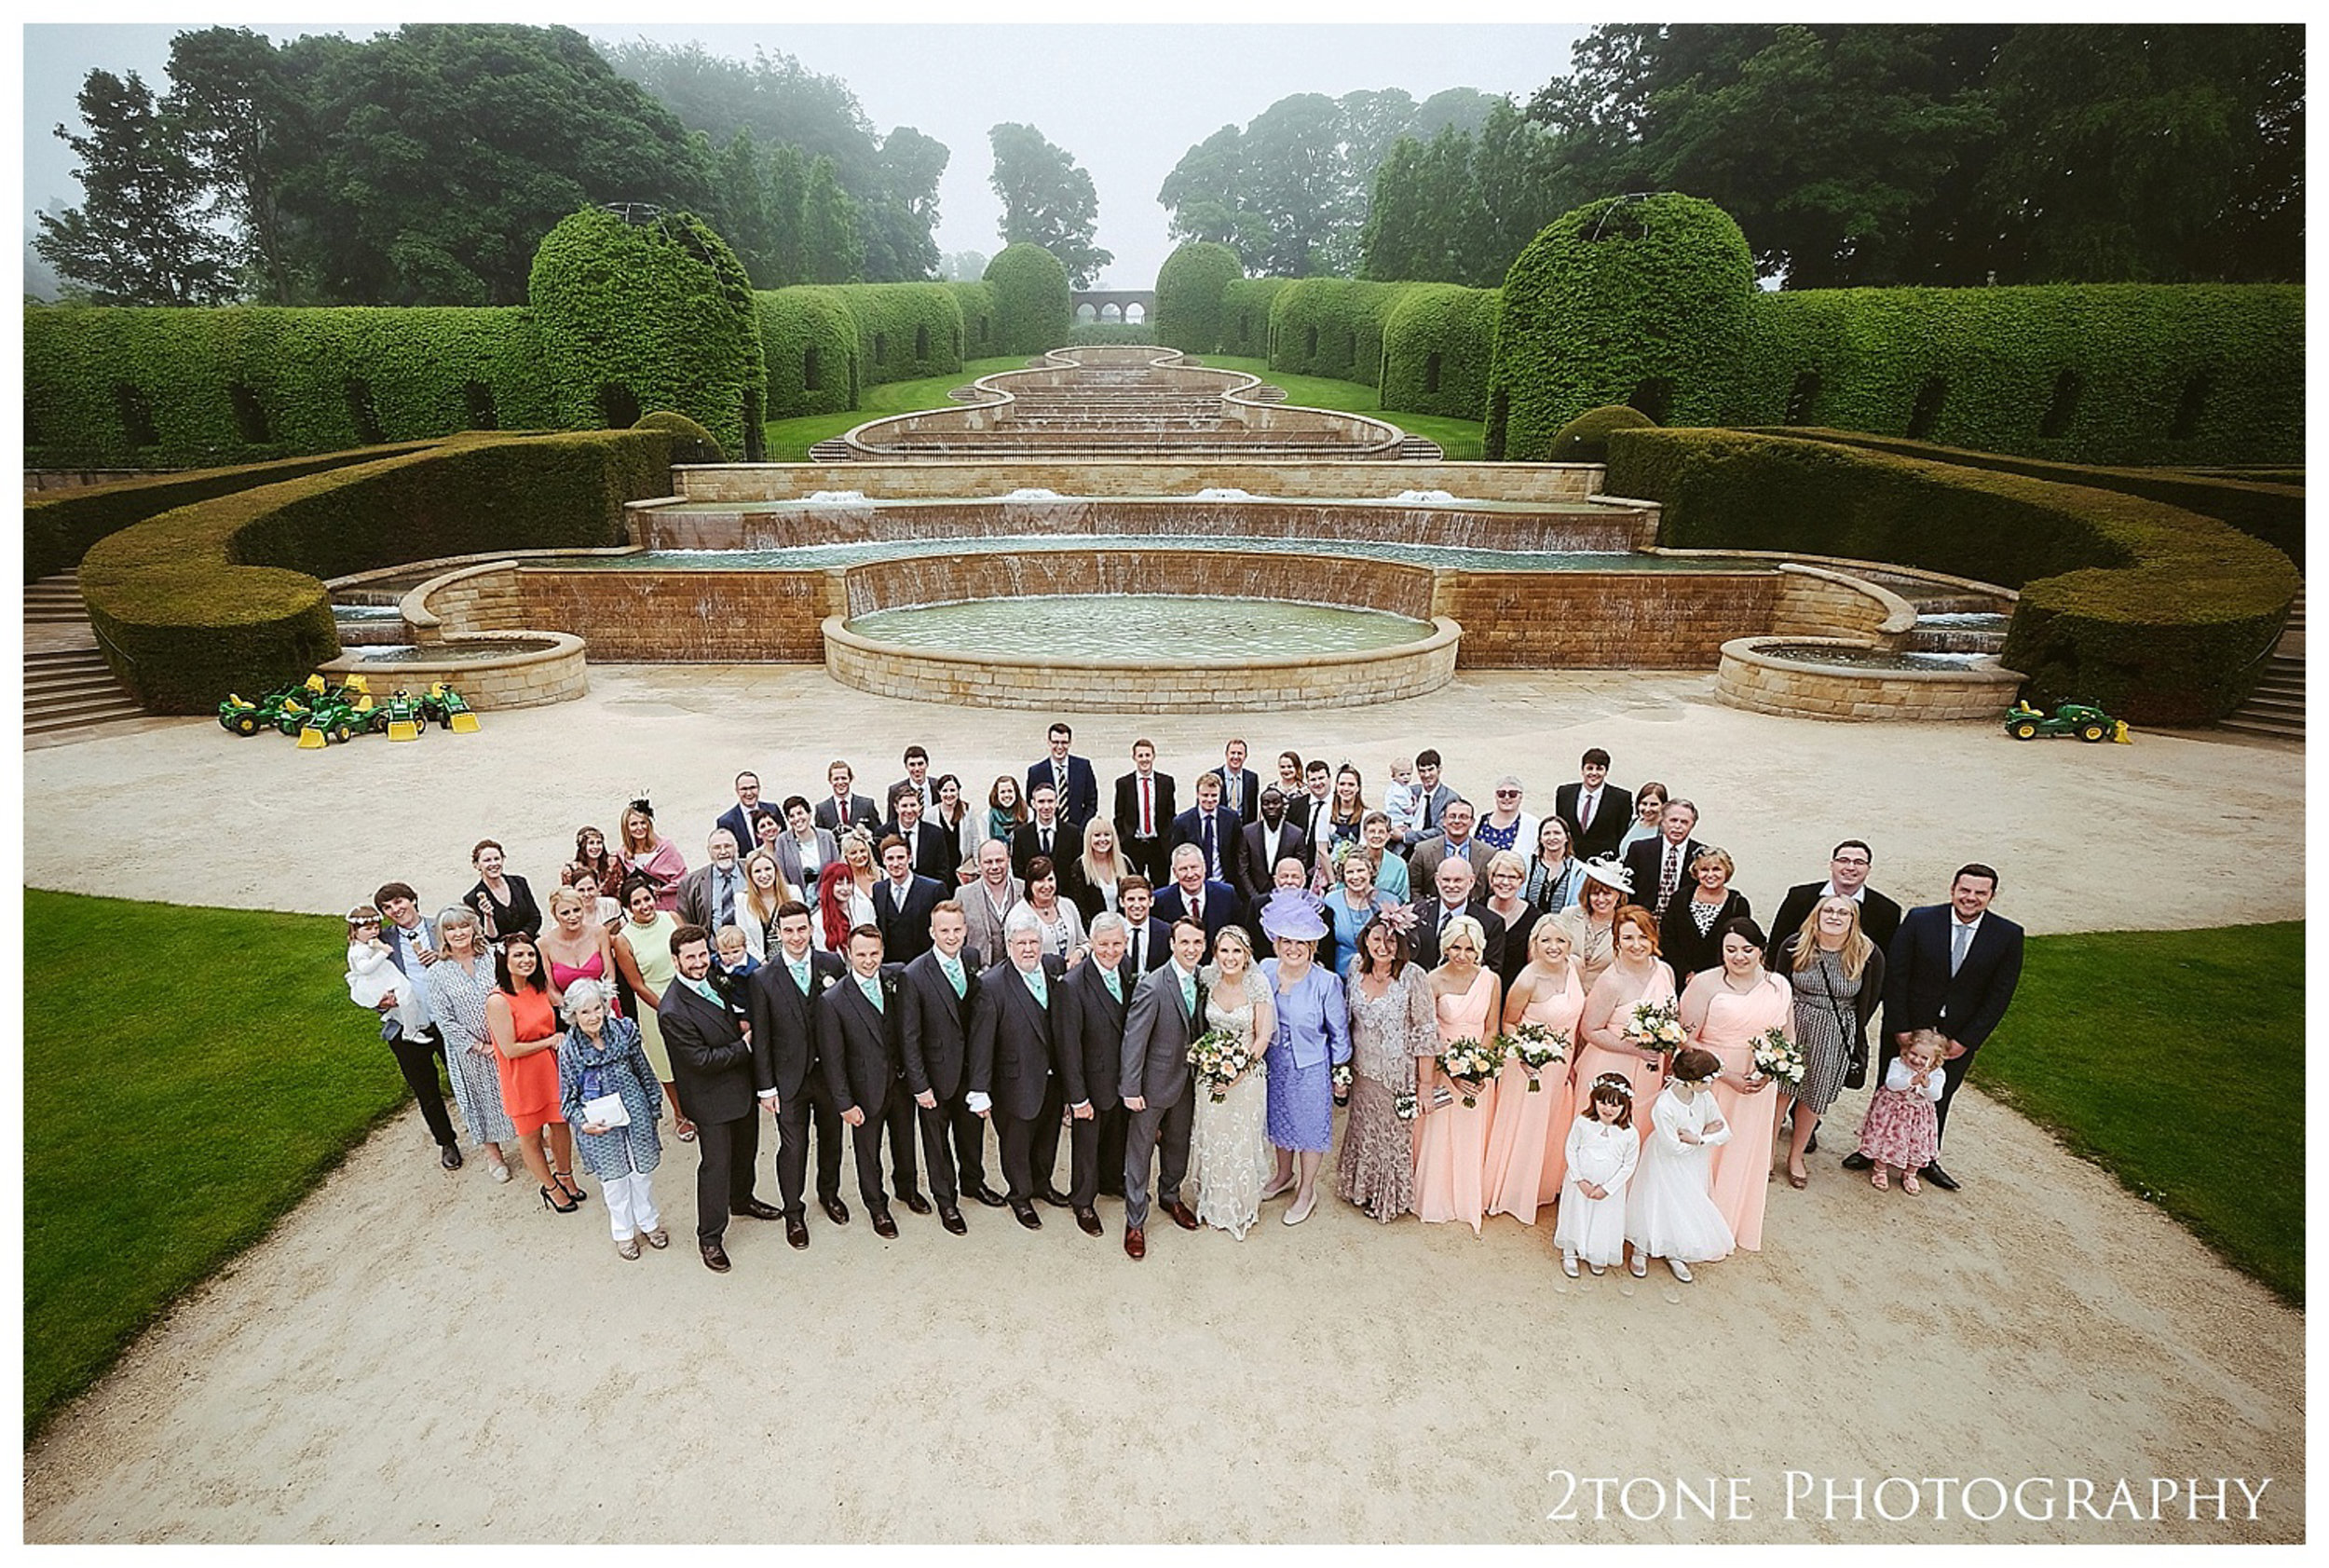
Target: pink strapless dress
565	974
1740	1177
1648	1078
1528	1149
1451	1144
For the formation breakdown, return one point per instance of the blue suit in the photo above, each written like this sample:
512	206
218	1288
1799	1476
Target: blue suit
1221	907
1081	802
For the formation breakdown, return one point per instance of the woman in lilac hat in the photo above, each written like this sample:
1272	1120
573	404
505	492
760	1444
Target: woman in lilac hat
1312	1041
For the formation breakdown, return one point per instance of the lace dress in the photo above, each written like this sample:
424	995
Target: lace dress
1230	1158
1376	1169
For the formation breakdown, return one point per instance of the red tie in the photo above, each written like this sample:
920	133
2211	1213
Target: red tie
1148	815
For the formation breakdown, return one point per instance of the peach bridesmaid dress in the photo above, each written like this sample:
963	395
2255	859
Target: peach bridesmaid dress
1742	1175
1528	1149
1451	1146
1648	1077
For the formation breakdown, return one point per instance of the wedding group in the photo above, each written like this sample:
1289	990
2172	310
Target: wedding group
1473	1008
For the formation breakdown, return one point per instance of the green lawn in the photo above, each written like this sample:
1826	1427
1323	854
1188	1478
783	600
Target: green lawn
2176	1061
189	1074
789	440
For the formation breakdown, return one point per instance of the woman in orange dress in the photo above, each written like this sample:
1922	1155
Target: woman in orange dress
1637	973
1451	1137
525	1035
1725	1010
1528	1143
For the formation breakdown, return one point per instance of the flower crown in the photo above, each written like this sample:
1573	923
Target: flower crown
1616	1083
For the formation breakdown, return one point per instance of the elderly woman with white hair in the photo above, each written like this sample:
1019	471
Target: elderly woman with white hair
460	985
608	1090
1311	1041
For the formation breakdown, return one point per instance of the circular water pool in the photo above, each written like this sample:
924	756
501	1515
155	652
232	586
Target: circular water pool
1186	629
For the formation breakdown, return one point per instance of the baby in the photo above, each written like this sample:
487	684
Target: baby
733	965
1399	802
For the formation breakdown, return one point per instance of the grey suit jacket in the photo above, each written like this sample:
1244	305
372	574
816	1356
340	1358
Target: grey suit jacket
1441	798
1423	864
788	861
696	900
979	913
1158	1026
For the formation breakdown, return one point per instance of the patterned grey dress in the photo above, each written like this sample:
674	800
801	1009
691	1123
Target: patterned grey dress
1376	1169
456	1005
1821	1026
615	1064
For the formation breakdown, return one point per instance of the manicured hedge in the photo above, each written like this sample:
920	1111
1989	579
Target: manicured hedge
1633	300
808	332
60	527
1112	332
980	318
222	594
1191	288
905	330
1332	326
2160	614
654	314
1438	343
2267	511
1031	300
1246	306
1585	437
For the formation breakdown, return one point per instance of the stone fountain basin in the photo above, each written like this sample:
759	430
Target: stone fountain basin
1849	678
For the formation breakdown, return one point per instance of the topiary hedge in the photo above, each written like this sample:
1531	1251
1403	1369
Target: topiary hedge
1112	332
223	596
2272	510
980	318
2160	614
1192	288
905	330
1585	437
1332	326
653	314
691	443
809	348
1246	306
1031	299
1639	300
1437	346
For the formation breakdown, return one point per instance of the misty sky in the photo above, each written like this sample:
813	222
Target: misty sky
1126	101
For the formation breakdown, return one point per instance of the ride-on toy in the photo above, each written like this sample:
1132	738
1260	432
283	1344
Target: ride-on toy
2082	719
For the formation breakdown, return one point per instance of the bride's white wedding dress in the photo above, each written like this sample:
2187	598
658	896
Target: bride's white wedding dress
1230	1157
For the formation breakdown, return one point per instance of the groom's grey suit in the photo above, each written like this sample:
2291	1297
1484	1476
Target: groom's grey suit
1158	1026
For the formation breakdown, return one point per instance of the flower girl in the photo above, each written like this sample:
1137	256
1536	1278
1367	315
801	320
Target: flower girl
1902	1128
1668	1213
371	974
1603	1152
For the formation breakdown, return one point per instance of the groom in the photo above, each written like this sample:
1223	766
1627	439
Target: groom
1165	1015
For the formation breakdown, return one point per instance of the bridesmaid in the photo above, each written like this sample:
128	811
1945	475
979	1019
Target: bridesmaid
1636	975
1605	887
1724	1009
1391	1027
1451	1140
1528	1143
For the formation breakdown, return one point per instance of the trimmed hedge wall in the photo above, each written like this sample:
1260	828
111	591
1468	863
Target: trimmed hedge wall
60	527
1437	346
981	319
657	314
800	322
1190	288
2271	511
1332	326
222	594
1640	301
1246	306
1032	309
1585	437
905	330
2160	614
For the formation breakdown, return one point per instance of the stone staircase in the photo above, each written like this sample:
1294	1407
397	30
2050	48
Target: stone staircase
1420	449
833	451
68	688
2277	707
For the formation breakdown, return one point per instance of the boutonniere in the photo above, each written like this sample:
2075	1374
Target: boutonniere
823	982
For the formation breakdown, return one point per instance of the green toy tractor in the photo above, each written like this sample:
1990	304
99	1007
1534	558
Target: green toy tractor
2088	723
401	715
449	708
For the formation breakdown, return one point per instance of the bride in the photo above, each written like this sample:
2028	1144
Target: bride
1229	1147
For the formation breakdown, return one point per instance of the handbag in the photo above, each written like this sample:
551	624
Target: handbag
1855	1037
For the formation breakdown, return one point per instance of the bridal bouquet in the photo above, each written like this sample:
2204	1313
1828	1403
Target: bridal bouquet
1403	1107
1220	1056
1779	1059
1471	1063
1656	1025
1533	1047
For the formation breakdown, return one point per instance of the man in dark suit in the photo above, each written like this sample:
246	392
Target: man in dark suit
711	894
902	904
782	996
1264	842
931	848
1050	834
1433	796
1312	811
1455	895
1595	812
737	819
1193	895
1951	967
1213	829
841	809
1167	1012
1144	811
714	1076
1022	1043
1149	941
1241	791
1071	777
1662	865
411	944
860	1056
1101	990
917	779
1847	877
936	995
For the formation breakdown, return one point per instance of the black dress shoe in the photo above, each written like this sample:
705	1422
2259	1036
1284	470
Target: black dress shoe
796	1231
985	1194
884	1227
1938	1178
1026	1216
1811	1144
753	1209
915	1203
1856	1161
449	1155
951	1218
835	1210
715	1256
1089	1220
1055	1197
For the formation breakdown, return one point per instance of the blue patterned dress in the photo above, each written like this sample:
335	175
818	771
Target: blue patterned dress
1313	1033
615	1064
456	1005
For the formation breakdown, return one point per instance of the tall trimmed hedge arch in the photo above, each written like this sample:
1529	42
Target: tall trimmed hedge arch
809	350
1438	345
1031	299
1332	326
980	318
1191	289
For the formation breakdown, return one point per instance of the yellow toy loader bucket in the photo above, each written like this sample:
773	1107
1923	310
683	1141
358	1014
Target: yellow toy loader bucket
465	723
311	739
403	730
2120	734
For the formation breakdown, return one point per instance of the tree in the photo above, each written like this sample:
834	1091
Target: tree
832	242
788	199
963	267
244	126
140	236
906	213
1048	200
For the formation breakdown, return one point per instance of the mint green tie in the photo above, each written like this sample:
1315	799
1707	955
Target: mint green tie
872	989
1035	985
954	972
800	974
1115	987
1189	993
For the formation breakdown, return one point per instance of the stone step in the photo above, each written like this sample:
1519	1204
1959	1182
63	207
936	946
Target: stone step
64	686
1420	449
834	451
2261	705
2278	731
